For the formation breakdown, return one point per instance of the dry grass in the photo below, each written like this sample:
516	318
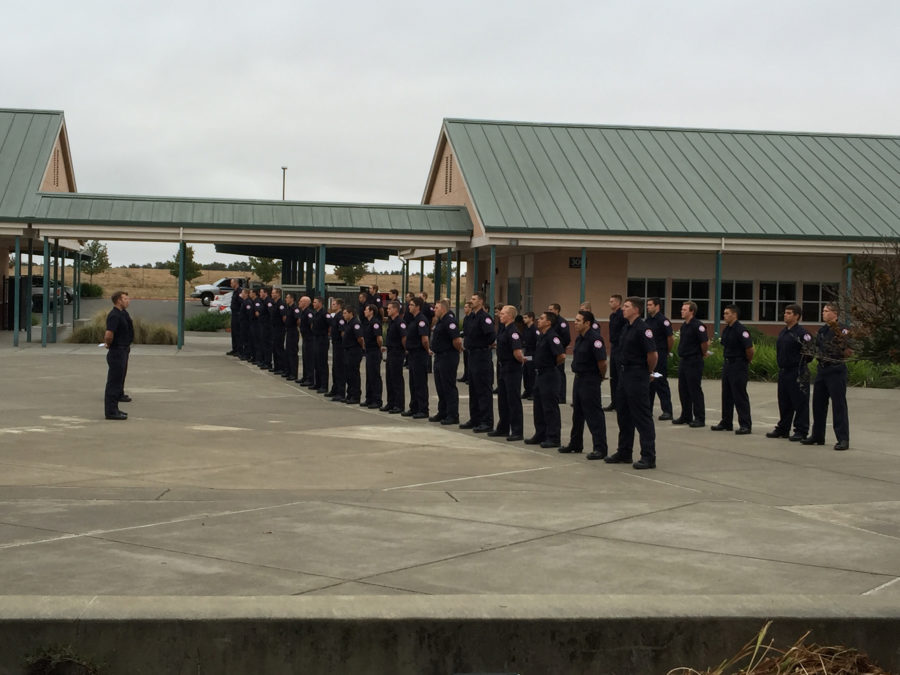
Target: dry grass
757	658
160	285
145	332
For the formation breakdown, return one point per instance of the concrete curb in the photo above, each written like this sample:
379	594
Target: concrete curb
434	634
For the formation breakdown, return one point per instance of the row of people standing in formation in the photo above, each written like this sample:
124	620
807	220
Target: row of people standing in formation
531	351
795	349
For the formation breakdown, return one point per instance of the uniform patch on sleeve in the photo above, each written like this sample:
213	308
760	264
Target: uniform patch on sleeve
595	326
402	325
341	322
648	333
556	340
807	337
356	326
487	320
375	326
745	334
309	315
667	323
702	329
421	324
296	311
563	324
515	336
598	344
844	331
452	326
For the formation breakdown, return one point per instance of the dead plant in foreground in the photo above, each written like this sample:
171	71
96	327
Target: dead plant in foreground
799	659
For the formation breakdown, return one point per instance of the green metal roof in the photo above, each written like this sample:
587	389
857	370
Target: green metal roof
385	219
26	142
578	179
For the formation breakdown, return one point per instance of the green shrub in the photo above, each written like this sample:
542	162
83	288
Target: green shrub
207	321
145	332
91	291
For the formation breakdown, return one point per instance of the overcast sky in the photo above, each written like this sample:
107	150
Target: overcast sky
211	99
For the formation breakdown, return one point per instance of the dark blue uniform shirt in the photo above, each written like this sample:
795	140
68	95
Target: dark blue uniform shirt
548	347
662	330
352	330
371	333
693	334
119	322
395	332
789	346
480	332
617	324
415	329
509	339
736	341
589	350
635	342
444	333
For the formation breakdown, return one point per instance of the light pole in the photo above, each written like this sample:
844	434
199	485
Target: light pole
283	178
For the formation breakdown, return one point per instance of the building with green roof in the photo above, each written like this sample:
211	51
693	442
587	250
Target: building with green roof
540	213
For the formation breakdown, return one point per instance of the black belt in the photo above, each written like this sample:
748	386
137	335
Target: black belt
478	349
733	359
632	366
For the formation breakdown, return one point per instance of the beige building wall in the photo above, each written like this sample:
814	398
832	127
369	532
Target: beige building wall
58	177
448	188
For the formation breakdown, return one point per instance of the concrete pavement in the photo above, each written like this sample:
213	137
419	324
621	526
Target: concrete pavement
227	481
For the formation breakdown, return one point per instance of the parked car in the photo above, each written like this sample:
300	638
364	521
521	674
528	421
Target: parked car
206	292
221	304
37	293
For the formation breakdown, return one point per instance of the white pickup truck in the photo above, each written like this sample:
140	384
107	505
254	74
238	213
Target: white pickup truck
206	292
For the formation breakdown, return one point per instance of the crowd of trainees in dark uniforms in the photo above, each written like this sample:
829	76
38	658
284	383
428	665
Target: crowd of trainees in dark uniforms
266	330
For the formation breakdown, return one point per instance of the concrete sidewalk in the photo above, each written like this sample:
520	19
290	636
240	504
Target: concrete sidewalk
227	481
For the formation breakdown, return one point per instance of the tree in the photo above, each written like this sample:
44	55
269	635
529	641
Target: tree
192	269
265	268
350	274
874	304
239	266
443	271
99	259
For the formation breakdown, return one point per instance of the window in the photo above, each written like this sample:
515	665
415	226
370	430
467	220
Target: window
690	289
648	288
773	297
815	295
740	294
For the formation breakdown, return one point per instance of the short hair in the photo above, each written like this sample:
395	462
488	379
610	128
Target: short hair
832	306
617	296
691	305
320	299
585	305
530	315
423	295
372	306
636	302
418	302
395	304
655	300
289	295
443	303
276	288
115	297
733	308
394	291
479	295
351	309
586	315
556	307
794	309
551	317
373	286
339	302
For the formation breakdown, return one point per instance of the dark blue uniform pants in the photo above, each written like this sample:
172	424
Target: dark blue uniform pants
613	374
690	390
446	365
831	383
509	398
418	380
660	386
374	385
117	360
320	361
793	401
307	357
338	370
266	342
352	358
393	373
528	378
562	381
481	403
235	333
255	341
633	412
734	393
246	348
547	423
291	349
278	355
588	407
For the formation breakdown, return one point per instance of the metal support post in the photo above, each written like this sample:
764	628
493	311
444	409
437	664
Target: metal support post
458	276
45	305
583	275
437	275
718	293
320	273
475	288
492	278
182	251
17	306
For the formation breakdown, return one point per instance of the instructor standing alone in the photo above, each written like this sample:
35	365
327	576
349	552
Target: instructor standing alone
117	339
